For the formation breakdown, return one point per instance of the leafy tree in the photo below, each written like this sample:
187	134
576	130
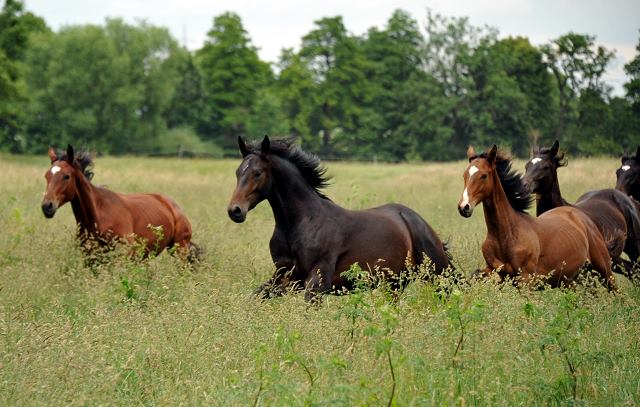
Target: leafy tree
395	56
188	105
576	64
633	86
233	75
16	26
296	88
105	87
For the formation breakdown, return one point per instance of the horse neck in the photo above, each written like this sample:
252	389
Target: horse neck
550	199
291	198
499	215
84	205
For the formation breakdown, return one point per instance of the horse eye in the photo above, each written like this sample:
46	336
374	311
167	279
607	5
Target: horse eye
484	176
66	177
258	173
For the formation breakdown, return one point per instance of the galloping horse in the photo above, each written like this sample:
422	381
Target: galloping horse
554	246
104	216
612	211
628	176
314	239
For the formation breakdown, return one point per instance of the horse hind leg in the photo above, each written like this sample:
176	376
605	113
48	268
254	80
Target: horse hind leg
601	261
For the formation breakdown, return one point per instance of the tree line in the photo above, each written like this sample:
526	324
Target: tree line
395	93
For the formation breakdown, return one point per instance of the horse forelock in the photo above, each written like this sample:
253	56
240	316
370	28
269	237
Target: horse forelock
83	158
309	165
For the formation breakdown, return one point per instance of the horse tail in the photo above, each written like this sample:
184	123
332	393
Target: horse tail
425	242
195	253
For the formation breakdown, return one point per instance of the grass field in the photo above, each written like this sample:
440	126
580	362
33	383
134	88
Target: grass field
157	333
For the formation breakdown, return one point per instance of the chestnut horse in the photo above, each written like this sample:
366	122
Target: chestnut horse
628	176
553	247
104	216
314	239
612	211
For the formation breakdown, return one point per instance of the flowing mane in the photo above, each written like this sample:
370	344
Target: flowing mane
559	159
309	165
83	158
519	196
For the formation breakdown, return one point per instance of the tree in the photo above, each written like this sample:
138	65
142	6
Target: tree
233	75
104	87
633	86
16	26
188	104
576	64
395	56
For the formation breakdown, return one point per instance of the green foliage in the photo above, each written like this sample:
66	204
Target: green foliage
394	93
633	86
233	74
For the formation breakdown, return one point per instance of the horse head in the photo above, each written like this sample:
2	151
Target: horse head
628	175
541	170
254	180
478	180
61	181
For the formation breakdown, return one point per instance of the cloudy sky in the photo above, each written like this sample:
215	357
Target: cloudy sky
277	24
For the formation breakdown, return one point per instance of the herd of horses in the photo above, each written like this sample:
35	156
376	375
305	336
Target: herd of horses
315	240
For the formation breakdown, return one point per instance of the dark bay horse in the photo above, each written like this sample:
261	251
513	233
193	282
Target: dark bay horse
554	246
614	213
314	239
104	216
628	176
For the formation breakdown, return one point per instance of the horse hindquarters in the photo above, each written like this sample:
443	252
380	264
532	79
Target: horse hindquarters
424	240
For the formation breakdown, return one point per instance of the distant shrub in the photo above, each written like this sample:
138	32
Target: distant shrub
183	141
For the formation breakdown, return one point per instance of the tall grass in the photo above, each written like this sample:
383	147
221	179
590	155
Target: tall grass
157	333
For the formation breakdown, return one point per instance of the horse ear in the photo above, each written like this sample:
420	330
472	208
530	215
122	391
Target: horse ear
554	148
491	156
265	148
638	154
471	152
70	155
52	154
243	147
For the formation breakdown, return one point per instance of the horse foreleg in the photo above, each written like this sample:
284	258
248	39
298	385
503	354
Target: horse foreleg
279	284
318	282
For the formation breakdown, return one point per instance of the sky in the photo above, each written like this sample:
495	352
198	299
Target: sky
276	24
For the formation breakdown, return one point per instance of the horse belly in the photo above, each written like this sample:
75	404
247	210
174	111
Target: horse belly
152	220
564	249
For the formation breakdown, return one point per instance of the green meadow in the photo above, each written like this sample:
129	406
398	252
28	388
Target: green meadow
156	332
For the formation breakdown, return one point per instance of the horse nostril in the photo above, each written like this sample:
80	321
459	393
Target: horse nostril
237	211
467	207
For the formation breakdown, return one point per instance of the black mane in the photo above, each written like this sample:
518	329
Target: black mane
81	157
559	159
518	195
309	165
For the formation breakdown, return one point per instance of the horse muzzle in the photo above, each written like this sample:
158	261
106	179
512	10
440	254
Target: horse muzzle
49	209
466	210
236	213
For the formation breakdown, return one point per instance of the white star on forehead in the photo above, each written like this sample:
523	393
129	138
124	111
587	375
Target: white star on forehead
472	170
625	167
536	160
55	169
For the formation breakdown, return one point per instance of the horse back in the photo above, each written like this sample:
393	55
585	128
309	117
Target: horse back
424	240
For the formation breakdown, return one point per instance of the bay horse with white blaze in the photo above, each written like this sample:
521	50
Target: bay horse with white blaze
104	216
613	212
553	247
314	239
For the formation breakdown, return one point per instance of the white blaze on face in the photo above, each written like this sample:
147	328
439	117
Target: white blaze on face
55	169
536	160
465	198
472	170
625	168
